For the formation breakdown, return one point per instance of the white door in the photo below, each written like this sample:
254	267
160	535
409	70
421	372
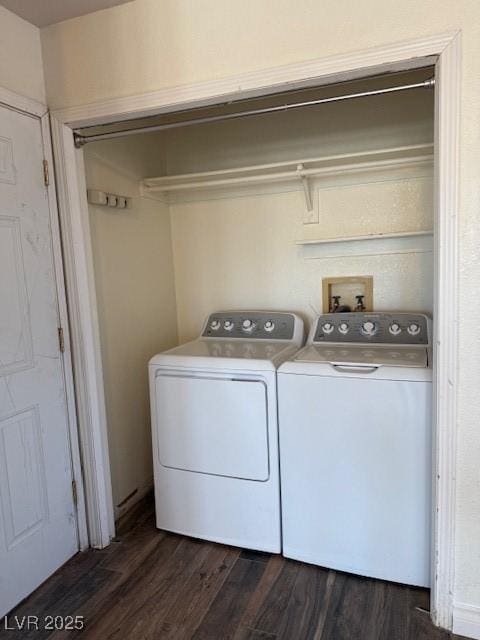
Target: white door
213	425
38	530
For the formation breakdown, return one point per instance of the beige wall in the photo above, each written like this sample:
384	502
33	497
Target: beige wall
240	253
147	45
136	302
21	68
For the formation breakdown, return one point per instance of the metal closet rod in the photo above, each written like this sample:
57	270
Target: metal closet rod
80	140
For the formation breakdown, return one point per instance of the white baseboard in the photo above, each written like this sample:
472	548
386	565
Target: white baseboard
466	620
135	497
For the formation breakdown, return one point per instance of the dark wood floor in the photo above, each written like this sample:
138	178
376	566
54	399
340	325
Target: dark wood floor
155	585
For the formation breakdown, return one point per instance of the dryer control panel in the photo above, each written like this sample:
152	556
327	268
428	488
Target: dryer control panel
260	325
372	328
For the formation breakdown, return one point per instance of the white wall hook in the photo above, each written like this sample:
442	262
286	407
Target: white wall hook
96	197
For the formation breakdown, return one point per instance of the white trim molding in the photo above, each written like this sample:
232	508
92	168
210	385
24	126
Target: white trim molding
26	105
466	620
67	363
399	56
442	50
71	190
446	167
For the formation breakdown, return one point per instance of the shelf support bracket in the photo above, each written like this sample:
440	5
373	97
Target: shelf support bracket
306	187
309	217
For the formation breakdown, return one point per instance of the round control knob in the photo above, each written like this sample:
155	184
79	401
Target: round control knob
413	329
343	327
215	325
395	329
248	325
327	327
369	328
228	325
269	325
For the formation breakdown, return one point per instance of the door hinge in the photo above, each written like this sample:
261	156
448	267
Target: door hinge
61	340
46	174
74	492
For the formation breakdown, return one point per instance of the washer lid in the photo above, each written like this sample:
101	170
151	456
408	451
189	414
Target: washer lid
361	355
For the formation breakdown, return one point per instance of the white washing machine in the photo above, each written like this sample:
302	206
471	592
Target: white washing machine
355	417
215	429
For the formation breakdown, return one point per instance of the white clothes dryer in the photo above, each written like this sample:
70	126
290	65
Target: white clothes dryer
355	416
215	429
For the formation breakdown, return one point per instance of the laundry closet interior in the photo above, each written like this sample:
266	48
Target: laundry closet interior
252	213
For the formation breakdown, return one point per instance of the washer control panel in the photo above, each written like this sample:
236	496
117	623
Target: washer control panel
379	328
261	325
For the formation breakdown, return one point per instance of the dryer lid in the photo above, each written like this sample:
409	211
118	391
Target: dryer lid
223	354
248	349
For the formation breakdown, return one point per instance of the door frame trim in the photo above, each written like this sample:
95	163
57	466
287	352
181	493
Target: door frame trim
20	103
85	337
67	363
38	110
445	51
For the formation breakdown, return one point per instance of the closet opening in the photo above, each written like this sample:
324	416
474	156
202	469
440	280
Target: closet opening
255	212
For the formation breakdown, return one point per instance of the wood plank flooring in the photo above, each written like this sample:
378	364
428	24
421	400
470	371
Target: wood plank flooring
150	585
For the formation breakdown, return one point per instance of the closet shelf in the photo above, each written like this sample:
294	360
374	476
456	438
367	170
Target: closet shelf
377	236
299	171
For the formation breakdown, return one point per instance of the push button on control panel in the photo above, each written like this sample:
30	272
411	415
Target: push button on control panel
269	326
228	325
215	325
